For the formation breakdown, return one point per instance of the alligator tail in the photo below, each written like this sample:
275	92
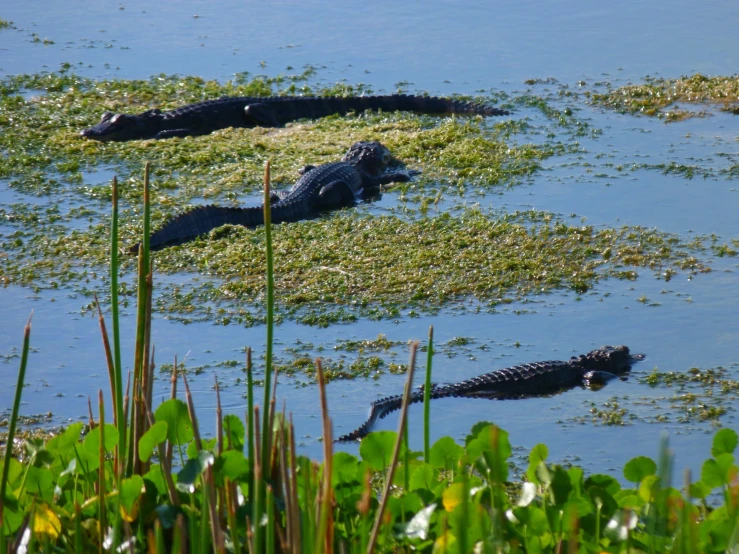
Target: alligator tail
378	410
316	107
381	408
421	104
199	221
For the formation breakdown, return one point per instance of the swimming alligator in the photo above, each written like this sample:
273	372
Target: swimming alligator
522	381
272	111
327	187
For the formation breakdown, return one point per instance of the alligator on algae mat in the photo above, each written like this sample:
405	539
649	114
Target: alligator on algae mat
358	176
272	111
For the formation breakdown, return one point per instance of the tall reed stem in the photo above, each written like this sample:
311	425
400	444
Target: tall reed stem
117	367
427	399
266	432
396	450
13	422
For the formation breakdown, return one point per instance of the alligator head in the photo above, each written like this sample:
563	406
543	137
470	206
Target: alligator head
120	126
371	156
613	359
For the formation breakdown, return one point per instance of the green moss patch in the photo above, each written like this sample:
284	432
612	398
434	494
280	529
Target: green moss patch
343	267
657	97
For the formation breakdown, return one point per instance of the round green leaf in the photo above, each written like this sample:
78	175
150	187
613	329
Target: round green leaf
92	440
233	430
154	479
492	446
699	490
561	486
131	490
538	454
231	464
711	474
377	449
344	467
638	468
194	468
65	440
423	477
174	412
606	482
649	488
445	453
156	434
724	442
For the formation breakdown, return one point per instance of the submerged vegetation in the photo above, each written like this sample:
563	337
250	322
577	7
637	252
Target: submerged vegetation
659	97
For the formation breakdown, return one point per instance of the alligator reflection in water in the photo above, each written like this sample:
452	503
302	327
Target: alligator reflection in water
523	381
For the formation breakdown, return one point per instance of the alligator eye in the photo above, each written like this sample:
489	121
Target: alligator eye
118	118
106	116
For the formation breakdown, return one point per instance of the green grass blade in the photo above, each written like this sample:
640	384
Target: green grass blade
396	450
14	420
117	366
250	420
270	539
101	471
427	399
266	432
139	354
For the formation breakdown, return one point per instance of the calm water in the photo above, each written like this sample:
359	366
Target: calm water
441	48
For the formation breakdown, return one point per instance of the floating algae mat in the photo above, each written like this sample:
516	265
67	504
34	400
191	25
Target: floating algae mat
348	265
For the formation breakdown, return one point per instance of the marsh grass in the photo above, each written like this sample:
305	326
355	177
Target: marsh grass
118	487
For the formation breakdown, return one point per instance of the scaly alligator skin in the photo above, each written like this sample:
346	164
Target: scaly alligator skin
243	111
522	381
327	187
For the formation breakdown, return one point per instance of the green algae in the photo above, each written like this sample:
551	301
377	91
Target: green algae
344	267
697	397
658	97
699	394
333	269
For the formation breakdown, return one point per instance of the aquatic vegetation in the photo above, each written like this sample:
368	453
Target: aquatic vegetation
330	270
658	97
699	395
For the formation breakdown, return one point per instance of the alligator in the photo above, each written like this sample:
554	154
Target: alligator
203	118
330	186
593	369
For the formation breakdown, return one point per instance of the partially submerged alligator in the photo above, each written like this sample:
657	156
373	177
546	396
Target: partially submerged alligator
272	111
522	381
330	186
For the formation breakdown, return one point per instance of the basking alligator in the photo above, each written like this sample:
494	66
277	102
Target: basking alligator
272	111
522	381
326	187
